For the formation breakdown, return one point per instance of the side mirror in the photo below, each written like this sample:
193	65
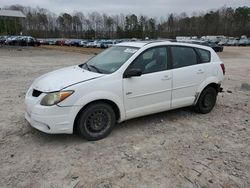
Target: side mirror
132	72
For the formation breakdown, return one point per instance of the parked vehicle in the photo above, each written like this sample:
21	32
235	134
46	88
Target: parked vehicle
243	42
214	39
223	42
60	42
75	42
9	40
90	44
214	46
104	44
29	41
22	41
94	44
83	43
43	42
3	39
232	42
125	81
16	41
67	43
108	43
99	43
52	41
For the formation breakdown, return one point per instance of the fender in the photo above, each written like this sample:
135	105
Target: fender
204	84
101	95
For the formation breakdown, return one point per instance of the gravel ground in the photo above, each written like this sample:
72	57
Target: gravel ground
177	148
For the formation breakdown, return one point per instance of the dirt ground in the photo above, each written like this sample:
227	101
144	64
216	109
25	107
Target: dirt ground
175	149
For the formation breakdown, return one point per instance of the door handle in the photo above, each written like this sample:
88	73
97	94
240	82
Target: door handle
200	71
166	77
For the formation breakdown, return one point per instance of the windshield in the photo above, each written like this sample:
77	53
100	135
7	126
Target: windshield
110	60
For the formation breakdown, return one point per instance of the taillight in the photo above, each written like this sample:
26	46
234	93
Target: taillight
223	68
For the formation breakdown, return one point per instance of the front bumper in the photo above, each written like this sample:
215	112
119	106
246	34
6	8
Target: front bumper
49	119
50	123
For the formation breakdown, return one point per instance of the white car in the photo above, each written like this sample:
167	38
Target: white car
128	80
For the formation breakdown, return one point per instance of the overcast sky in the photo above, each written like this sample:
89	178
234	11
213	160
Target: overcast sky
152	8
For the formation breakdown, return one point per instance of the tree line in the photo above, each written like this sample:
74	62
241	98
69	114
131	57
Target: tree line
42	23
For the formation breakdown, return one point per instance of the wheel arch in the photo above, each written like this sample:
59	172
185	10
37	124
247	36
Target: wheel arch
214	83
107	101
216	86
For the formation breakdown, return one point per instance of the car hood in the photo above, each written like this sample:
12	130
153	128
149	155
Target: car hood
62	78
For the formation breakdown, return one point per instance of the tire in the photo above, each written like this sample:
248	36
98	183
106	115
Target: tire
206	101
96	121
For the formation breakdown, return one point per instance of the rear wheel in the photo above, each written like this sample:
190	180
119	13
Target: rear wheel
96	121
206	100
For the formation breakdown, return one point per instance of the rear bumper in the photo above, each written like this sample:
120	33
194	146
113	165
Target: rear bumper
220	90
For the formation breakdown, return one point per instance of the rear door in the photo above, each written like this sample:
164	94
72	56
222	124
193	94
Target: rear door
188	74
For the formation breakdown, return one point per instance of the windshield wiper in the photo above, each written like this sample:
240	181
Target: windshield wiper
85	65
94	67
91	66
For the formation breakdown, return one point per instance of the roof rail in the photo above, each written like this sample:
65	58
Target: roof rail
161	40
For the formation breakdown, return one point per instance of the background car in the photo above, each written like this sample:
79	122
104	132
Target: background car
83	43
232	42
214	46
29	41
43	41
243	42
223	42
3	39
60	42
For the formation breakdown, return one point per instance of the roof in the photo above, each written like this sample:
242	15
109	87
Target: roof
12	13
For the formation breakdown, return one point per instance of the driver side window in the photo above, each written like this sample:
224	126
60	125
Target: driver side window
152	60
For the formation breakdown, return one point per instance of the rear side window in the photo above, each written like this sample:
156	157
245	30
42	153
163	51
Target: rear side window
183	56
204	55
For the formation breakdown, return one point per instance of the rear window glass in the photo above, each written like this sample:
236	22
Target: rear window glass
183	56
204	55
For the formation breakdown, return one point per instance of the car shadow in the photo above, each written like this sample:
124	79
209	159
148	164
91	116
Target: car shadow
129	125
148	120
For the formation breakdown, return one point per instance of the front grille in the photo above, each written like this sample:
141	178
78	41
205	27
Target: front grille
36	93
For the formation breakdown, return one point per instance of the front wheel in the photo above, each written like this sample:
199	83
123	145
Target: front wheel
206	100
96	121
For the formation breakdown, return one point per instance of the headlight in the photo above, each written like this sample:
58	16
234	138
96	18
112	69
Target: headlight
54	98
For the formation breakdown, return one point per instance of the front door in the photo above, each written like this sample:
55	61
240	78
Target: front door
150	92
